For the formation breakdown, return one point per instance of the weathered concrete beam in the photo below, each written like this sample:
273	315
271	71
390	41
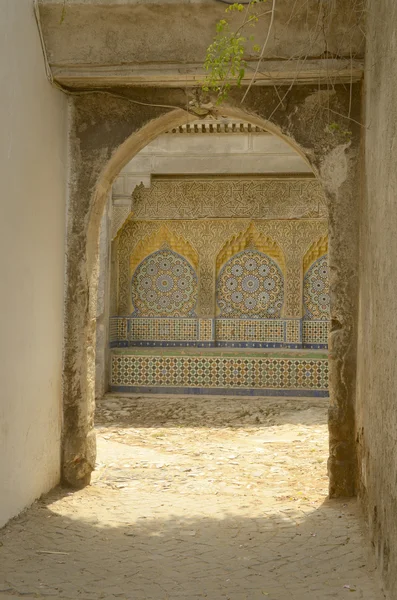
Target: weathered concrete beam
94	43
280	72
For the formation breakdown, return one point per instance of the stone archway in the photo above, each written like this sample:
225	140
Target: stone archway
107	130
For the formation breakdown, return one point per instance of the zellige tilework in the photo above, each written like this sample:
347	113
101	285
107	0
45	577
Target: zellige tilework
316	291
293	331
250	330
164	285
213	371
252	285
315	332
206	330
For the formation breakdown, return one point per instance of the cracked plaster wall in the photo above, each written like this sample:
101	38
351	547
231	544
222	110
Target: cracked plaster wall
32	224
125	32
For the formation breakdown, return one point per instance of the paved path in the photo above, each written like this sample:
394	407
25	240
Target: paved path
195	498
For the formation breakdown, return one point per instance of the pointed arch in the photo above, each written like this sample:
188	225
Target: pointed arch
163	237
315	251
250	238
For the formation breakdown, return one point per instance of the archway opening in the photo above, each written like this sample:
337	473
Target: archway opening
212	225
83	232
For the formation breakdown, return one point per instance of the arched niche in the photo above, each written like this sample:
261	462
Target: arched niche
164	284
250	238
250	277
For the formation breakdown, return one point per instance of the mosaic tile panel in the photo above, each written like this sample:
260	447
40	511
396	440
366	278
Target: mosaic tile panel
217	371
206	330
252	330
250	285
118	329
163	329
164	285
264	333
316	291
315	332
293	331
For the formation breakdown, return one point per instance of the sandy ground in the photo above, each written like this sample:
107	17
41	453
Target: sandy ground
207	497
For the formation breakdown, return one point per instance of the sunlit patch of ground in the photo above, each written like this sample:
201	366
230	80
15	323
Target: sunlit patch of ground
217	498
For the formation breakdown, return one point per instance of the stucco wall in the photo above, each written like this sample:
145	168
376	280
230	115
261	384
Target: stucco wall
377	380
32	223
125	32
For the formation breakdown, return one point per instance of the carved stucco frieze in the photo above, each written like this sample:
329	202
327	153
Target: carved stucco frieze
119	216
216	197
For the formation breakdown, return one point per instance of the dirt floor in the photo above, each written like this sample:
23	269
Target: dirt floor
196	497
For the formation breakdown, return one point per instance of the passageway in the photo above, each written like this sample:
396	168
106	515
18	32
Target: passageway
210	497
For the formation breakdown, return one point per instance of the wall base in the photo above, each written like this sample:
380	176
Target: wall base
219	371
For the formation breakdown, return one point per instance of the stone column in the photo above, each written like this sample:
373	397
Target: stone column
102	315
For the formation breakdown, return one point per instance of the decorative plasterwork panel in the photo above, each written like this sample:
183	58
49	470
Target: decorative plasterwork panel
119	216
154	242
317	249
294	237
253	198
207	238
250	238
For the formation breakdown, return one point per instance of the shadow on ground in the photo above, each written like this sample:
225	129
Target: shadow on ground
296	554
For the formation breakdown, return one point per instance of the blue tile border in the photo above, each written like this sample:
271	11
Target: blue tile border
315	346
258	345
197	344
160	344
187	391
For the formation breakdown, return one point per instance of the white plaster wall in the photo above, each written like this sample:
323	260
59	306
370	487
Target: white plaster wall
32	223
235	153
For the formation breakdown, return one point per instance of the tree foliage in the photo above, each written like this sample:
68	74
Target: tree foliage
224	62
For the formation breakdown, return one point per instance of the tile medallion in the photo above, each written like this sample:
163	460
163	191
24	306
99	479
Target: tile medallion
250	285
164	285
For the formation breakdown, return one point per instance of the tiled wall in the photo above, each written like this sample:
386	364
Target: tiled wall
316	300
315	333
208	245
245	333
195	276
172	372
250	331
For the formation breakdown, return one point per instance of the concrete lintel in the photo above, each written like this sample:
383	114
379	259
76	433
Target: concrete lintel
169	75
